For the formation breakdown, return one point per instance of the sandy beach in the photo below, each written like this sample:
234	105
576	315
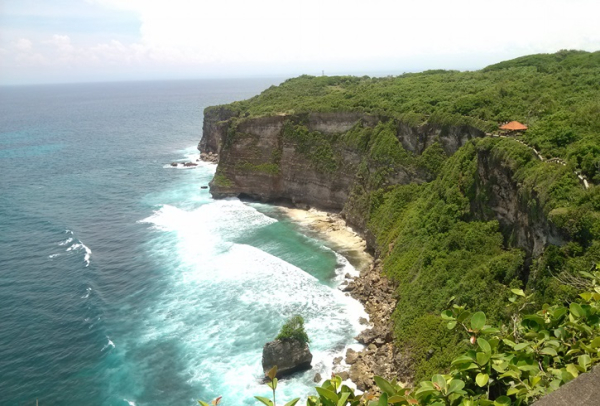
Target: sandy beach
332	228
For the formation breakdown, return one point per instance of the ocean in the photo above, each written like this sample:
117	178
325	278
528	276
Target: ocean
122	282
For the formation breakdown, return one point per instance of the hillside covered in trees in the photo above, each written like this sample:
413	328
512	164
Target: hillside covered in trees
557	95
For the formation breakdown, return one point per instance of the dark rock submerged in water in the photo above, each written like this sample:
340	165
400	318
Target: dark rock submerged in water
289	355
184	164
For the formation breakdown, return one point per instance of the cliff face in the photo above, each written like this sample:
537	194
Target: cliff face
261	163
214	129
518	211
259	159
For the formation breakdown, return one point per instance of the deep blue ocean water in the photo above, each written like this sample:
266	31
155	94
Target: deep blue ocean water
121	280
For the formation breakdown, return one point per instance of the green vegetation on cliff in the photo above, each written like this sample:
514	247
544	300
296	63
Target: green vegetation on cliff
436	246
557	95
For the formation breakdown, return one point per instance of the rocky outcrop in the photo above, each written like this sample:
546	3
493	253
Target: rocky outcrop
380	356
263	165
451	138
184	164
209	157
288	355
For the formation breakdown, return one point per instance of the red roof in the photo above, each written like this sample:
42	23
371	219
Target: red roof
513	125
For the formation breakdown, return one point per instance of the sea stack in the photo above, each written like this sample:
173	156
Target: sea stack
289	355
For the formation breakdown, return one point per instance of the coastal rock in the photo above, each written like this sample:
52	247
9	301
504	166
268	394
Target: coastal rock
209	157
361	376
258	160
317	378
351	356
289	356
347	288
380	357
184	164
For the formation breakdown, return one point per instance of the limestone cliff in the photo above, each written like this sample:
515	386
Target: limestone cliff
517	208
262	158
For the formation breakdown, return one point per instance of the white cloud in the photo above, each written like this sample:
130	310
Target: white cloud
267	35
30	59
239	31
23	45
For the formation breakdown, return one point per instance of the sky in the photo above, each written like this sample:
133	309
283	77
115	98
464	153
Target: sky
58	41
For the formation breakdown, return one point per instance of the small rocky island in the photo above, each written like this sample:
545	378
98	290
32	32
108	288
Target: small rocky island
289	351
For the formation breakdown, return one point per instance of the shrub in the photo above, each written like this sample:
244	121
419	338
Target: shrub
293	329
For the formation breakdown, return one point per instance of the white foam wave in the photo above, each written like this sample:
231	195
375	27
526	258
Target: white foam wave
129	402
229	214
108	345
88	252
227	299
88	291
254	292
190	154
343	268
79	245
206	231
67	241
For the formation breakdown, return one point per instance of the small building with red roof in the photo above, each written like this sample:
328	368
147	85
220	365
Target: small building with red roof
513	126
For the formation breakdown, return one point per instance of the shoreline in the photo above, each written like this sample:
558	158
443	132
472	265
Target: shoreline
332	228
368	286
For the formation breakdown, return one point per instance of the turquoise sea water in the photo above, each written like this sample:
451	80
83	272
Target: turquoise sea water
121	280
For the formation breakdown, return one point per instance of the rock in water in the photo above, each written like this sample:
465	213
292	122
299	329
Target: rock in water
289	356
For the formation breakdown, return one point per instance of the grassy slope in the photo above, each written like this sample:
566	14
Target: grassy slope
430	242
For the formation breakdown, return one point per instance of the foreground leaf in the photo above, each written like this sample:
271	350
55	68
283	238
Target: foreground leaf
384	385
478	321
327	394
265	401
482	379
